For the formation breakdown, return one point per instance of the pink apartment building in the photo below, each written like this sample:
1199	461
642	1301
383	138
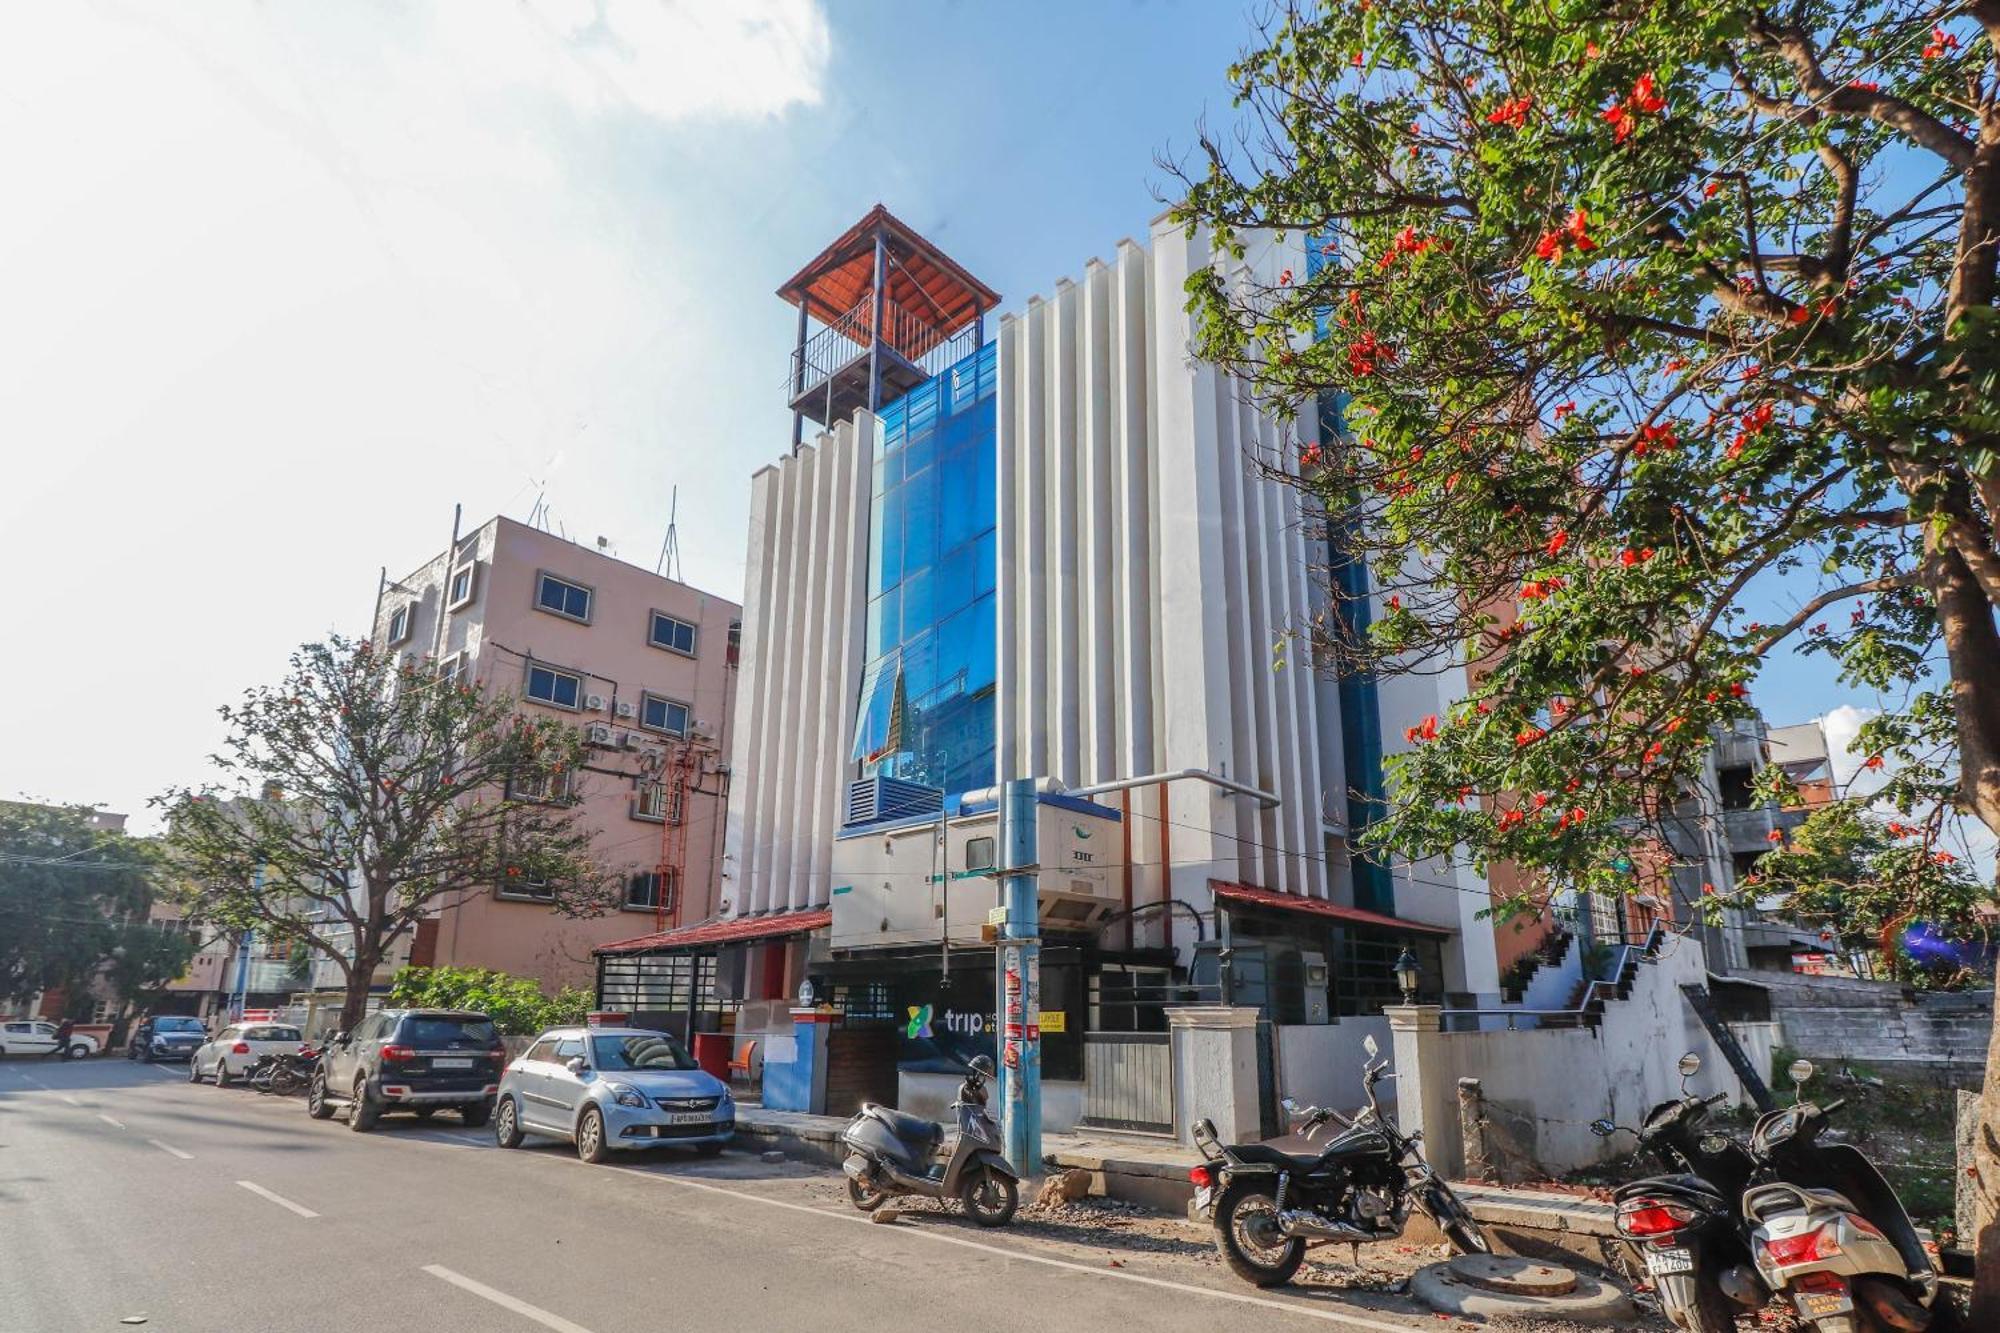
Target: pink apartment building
645	666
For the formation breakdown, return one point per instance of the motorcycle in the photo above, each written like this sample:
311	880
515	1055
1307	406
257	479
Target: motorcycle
1827	1229
1685	1225
1268	1206
285	1073
890	1154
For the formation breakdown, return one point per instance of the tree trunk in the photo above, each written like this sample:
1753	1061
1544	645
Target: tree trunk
354	1005
1972	644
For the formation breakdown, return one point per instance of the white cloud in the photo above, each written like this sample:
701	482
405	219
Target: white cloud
1842	725
286	279
1968	837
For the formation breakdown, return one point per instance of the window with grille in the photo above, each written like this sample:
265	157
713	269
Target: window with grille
650	890
658	801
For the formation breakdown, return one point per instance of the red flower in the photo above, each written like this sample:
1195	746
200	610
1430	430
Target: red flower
1557	542
1775	835
1356	58
1564	409
1513	111
1578	221
1394	602
1708	190
1674	724
1510	818
1874	761
1620	119
1899	830
1865	85
1528	735
1799	315
1628	557
1285	278
1943	858
1426	730
1707	889
1941	42
1678	363
1643	96
1737	690
1533	591
1590	50
1309	455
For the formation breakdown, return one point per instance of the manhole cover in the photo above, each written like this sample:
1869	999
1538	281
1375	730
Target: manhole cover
1516	1277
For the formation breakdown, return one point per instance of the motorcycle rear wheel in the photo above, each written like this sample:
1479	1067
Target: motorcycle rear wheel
864	1196
989	1198
1247	1235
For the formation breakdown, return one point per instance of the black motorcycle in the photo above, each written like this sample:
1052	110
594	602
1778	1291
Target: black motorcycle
1268	1206
1687	1225
285	1073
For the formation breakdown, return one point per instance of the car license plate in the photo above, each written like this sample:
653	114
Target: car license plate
688	1118
1813	1304
1204	1199
1669	1261
451	1064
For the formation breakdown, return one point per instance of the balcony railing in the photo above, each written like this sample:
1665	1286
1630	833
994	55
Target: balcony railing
846	340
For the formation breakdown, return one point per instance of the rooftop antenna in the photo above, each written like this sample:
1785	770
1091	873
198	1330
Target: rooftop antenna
670	549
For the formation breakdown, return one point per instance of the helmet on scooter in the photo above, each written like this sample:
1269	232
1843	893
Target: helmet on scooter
981	1065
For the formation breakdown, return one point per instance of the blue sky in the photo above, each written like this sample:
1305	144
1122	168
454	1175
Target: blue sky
287	280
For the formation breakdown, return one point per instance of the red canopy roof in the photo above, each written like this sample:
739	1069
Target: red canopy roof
1286	902
920	277
724	932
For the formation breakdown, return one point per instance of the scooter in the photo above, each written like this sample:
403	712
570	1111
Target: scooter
1828	1231
1685	1225
890	1154
285	1073
1269	1205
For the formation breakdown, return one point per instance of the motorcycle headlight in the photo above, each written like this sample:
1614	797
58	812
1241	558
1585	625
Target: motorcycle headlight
627	1096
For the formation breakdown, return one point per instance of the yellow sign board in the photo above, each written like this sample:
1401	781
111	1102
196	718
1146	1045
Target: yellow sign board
996	916
1055	1020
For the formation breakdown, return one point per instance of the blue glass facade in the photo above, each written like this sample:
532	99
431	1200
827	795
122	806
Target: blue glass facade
926	712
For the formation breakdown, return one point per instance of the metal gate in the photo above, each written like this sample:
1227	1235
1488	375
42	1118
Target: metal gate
1128	1081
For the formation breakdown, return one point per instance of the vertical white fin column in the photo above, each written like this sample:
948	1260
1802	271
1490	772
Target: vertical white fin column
739	843
1098	650
1066	720
1009	724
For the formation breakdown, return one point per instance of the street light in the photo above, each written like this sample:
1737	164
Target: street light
1406	975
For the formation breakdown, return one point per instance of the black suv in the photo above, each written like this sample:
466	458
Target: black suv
410	1060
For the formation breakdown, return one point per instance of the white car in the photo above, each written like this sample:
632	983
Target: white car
229	1054
38	1037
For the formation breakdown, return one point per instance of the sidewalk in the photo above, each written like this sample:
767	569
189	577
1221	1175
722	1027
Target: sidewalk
1153	1172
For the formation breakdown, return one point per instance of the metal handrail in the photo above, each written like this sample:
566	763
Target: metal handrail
847	339
1590	989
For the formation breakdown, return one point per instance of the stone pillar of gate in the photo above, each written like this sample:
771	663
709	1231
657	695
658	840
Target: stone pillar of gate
1214	1055
1426	1084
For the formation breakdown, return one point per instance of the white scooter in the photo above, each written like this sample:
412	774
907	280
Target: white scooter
1828	1231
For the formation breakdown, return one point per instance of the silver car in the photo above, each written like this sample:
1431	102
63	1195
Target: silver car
605	1089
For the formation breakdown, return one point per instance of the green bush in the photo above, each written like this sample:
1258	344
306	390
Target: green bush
517	1005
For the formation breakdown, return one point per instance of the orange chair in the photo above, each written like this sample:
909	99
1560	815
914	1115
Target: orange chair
741	1065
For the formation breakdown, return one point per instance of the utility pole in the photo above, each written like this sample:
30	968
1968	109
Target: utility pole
1021	982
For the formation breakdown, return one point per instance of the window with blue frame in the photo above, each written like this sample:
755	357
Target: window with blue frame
926	712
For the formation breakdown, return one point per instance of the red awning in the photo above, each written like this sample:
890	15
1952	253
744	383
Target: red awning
1286	902
732	931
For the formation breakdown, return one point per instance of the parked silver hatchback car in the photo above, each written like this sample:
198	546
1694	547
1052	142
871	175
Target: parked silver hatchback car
606	1089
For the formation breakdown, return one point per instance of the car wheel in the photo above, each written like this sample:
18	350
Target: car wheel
590	1145
361	1112
79	1051
316	1105
476	1115
223	1077
194	1071
506	1126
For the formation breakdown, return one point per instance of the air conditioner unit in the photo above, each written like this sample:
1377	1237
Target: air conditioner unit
624	709
594	702
597	733
622	740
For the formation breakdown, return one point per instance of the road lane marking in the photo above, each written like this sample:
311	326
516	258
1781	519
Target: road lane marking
169	1148
504	1301
278	1199
1120	1275
115	1124
37	1082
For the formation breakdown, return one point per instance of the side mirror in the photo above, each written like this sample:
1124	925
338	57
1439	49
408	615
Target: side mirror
1604	1129
1800	1071
338	1038
574	1065
1290	1108
1368	1045
1690	1065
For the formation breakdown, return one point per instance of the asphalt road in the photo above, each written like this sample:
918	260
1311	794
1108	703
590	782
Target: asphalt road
128	1196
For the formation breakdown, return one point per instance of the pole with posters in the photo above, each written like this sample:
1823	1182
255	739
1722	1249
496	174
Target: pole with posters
1020	983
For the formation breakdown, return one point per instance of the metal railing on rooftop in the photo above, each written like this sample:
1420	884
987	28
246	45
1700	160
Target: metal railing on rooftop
846	340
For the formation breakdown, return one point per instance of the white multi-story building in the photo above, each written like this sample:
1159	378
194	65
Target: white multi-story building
1054	555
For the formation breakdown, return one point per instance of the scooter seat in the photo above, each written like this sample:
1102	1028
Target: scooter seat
910	1129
